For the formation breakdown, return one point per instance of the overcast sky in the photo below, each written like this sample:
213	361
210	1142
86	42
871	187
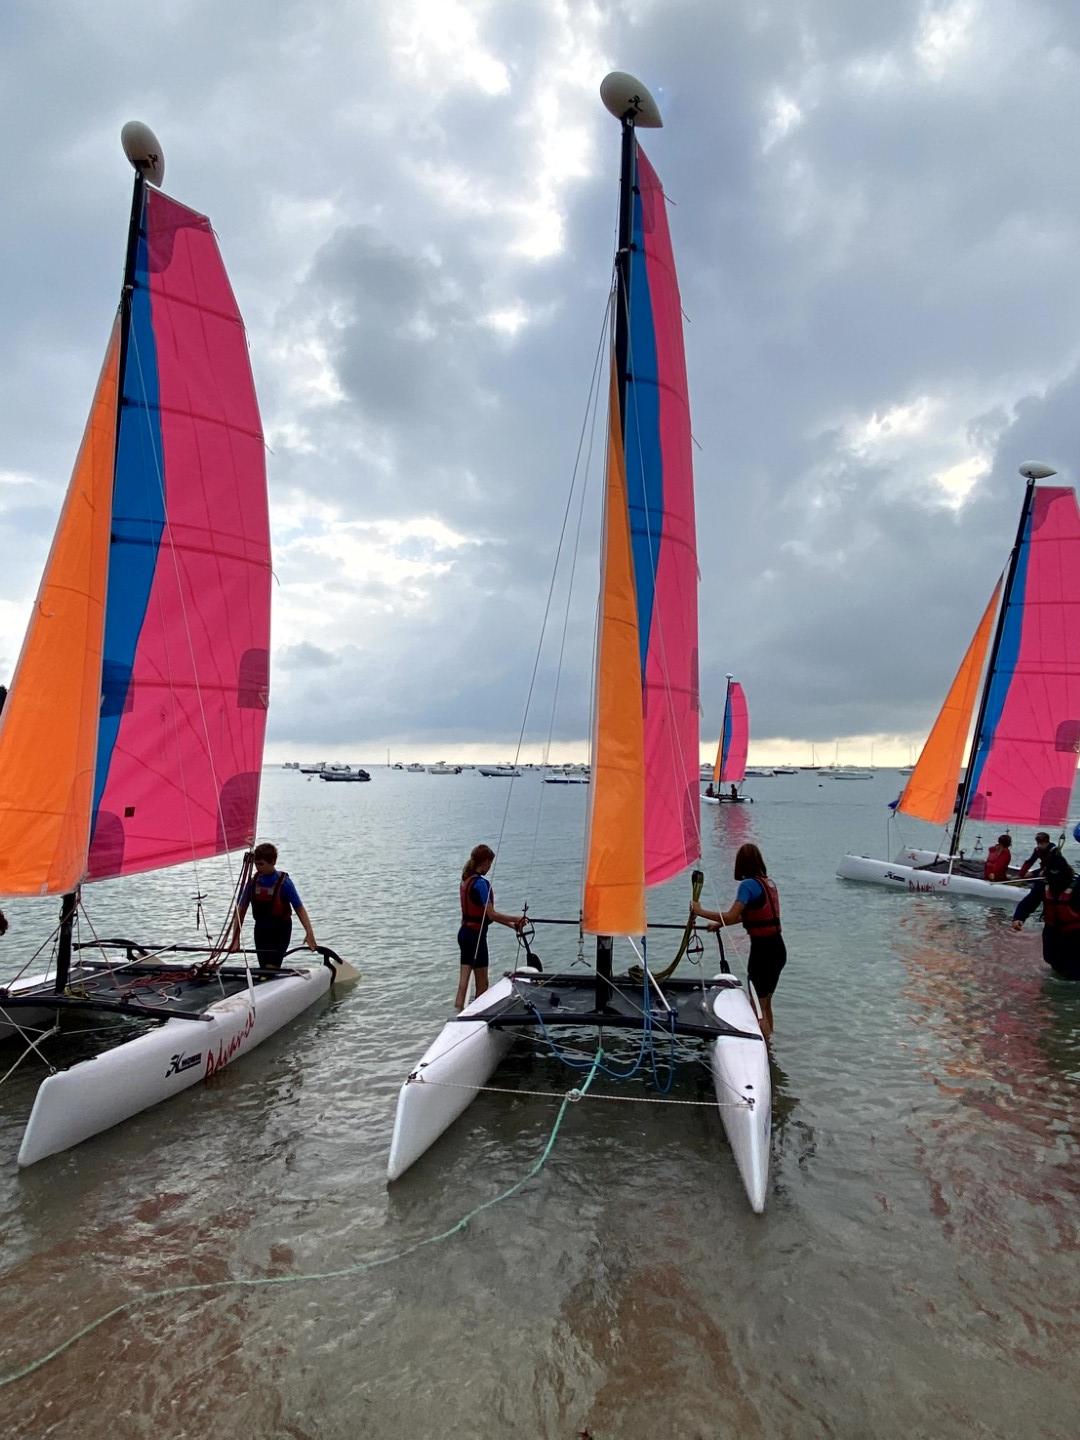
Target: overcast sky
875	216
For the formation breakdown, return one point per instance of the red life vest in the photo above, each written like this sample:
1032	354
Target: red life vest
472	911
762	917
267	902
998	859
1058	913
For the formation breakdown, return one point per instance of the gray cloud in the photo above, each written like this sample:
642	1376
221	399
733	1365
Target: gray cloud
875	219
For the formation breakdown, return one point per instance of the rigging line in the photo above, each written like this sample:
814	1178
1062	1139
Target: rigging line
360	1268
50	939
547	608
33	1046
178	576
593	408
740	1104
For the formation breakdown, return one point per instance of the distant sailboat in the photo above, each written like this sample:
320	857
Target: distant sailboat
730	767
1027	726
643	823
133	735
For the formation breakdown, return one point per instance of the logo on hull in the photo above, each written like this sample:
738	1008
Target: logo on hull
182	1062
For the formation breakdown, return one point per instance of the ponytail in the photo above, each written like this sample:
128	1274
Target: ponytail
478	855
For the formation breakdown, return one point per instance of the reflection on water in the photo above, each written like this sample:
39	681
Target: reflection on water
915	1273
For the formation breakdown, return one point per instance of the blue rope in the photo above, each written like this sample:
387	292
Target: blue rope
646	1050
595	1066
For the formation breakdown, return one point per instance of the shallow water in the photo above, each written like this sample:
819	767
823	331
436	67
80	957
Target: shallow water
915	1272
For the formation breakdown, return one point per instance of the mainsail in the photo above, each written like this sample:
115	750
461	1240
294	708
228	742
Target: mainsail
1025	753
734	737
149	706
1027	733
650	483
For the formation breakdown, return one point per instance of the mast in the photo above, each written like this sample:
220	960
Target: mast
724	723
631	104
143	150
1031	474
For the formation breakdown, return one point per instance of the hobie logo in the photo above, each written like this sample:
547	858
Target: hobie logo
182	1062
225	1053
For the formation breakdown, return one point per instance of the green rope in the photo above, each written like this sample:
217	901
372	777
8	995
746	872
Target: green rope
359	1269
697	884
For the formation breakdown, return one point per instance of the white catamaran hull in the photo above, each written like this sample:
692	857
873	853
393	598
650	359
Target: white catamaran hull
740	1070
443	1085
466	1054
905	873
96	1094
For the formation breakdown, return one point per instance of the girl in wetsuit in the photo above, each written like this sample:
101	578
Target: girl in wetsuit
477	914
757	906
272	897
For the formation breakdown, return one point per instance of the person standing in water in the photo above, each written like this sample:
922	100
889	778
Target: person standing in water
1061	919
272	897
757	907
478	913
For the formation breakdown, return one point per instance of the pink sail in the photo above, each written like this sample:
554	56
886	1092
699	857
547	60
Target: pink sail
660	483
1025	765
185	683
735	740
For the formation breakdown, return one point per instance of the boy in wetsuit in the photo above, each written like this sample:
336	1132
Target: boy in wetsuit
272	897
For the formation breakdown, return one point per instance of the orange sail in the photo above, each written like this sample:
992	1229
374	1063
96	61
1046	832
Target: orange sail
48	748
930	793
614	901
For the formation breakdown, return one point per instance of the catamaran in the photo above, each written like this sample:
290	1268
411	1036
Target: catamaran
644	817
730	767
1027	729
132	738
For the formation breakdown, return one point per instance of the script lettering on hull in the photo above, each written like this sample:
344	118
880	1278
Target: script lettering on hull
225	1052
